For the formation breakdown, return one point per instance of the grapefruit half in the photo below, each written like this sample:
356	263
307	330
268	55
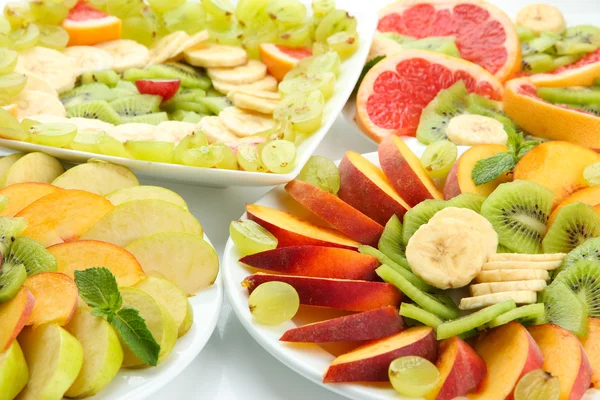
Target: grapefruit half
580	73
484	34
280	59
394	92
87	26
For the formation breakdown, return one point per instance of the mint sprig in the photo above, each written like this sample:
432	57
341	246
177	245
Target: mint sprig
98	288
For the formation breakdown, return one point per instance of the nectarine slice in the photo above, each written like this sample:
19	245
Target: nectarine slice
370	362
56	298
14	314
591	345
589	196
20	195
97	177
293	231
84	254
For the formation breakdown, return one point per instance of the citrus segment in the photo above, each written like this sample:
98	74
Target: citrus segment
88	26
280	59
580	73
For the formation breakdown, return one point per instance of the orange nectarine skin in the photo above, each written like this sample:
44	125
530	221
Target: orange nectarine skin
565	358
370	362
14	314
20	195
56	298
293	231
368	325
589	196
591	345
366	188
342	294
317	261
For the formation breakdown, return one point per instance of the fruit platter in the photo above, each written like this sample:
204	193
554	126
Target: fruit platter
108	288
214	93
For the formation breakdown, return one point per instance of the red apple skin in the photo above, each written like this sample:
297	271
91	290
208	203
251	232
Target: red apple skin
22	303
368	325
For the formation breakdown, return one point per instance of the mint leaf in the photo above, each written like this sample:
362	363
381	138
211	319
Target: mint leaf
525	148
134	332
370	64
488	169
98	288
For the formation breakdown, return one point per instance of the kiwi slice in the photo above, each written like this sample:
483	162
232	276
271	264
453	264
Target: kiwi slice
423	299
564	308
11	280
519	211
570	95
135	105
588	250
398	38
489	108
126	86
97	109
185	95
439	44
86	93
525	34
152	118
418	314
186	116
525	315
10	228
537	63
419	215
473	321
471	201
591	108
573	225
191	105
390	242
32	254
541	44
109	78
584	280
502	249
579	39
214	104
435	117
189	76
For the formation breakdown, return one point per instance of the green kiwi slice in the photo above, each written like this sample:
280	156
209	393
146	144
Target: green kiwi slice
135	105
391	243
184	105
10	228
564	308
418	314
473	321
214	104
525	315
471	201
152	118
435	117
540	44
97	109
189	76
423	299
519	211
85	93
186	116
588	250
135	74
537	63
32	254
109	78
584	280
579	39
591	108
439	44
525	34
573	225
11	280
419	215
185	95
570	95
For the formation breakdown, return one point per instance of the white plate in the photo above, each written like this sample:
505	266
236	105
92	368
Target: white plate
310	360
350	70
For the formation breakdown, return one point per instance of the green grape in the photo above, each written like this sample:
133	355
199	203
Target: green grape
87	140
196	139
162	6
319	48
18	14
282	130
211	156
251	13
225	32
189	17
295	37
218	8
537	385
438	158
125	8
147	150
322	7
248	159
591	174
278	155
10	128
8	60
344	43
267	33
286	12
4	26
110	146
28	123
303	110
25	38
334	22
321	172
227	159
274	303
326	62
251	238
101	5
11	84
48	12
142	28
413	376
54	37
53	134
325	82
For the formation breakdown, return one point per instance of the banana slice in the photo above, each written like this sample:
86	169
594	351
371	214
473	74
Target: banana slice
133	131
252	103
262	94
126	54
195	40
49	118
174	131
541	18
547	265
33	102
519	296
89	58
268	83
471	130
382	46
51	66
503	275
249	73
215	130
527	257
480	289
91	124
245	123
34	82
216	56
169	47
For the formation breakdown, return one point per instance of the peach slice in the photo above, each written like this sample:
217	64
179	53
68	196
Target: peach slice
14	314
405	173
63	216
589	196
460	179
342	294
546	164
366	188
97	177
293	231
509	352
317	261
370	362
33	167
20	195
368	325
565	358
56	298
591	345
84	254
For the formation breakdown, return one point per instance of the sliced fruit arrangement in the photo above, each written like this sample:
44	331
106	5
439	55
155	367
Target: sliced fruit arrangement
73	281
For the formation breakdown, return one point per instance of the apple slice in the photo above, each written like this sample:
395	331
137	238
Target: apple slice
187	321
370	362
6	162
56	298
14	372
165	88
63	216
33	167
293	231
20	195
97	177
145	192
84	254
14	314
184	259
54	358
135	219
102	353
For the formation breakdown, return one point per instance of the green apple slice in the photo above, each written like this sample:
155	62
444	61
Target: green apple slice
33	167
102	353
135	219
54	358
6	162
14	373
145	192
186	260
97	177
188	320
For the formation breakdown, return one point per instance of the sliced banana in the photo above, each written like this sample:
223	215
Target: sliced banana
34	82
519	296
248	73
480	289
245	123
541	18
196	39
33	102
268	83
527	257
174	131
89	58
503	275
126	54
262	94
382	46
215	130
49	118
547	265
168	47
471	130
252	103
133	131
91	124
53	67
216	56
